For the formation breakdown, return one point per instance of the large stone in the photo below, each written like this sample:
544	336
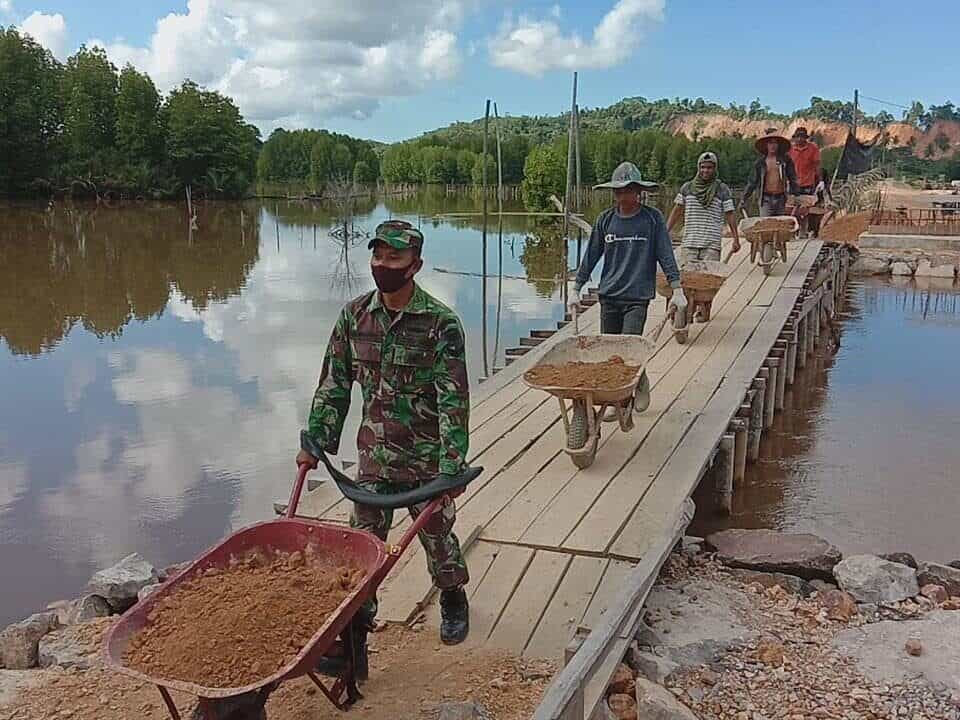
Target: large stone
623	707
790	583
622	680
954	564
657	703
74	646
838	604
878	649
873	580
120	584
901	269
462	711
927	269
20	641
904	558
651	666
801	554
146	591
89	607
869	264
936	574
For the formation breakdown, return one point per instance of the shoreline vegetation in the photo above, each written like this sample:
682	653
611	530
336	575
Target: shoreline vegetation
86	129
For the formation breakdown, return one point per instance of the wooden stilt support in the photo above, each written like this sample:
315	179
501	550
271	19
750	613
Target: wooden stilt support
739	427
769	401
723	466
801	352
791	352
811	330
780	355
756	417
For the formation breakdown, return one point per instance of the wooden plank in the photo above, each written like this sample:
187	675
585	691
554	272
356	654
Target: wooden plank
774	280
798	273
494	591
567	606
526	606
614	575
510	417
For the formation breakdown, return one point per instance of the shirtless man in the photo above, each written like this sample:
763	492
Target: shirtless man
774	174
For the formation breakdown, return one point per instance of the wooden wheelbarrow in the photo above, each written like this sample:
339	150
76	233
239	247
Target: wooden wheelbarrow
768	237
700	281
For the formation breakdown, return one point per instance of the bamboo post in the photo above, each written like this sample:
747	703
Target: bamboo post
483	175
756	416
496	128
779	353
791	353
801	352
724	472
567	192
740	427
577	199
769	399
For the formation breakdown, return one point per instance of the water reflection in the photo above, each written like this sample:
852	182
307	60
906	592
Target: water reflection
864	454
154	379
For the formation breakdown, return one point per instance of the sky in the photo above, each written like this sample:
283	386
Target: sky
392	70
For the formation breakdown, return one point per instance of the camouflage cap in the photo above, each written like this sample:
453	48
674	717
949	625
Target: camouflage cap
625	174
398	234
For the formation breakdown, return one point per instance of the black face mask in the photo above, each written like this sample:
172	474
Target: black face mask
389	280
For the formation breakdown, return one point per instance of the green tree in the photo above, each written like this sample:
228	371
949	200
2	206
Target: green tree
476	175
208	143
915	113
341	161
139	134
465	162
30	110
90	88
363	173
544	173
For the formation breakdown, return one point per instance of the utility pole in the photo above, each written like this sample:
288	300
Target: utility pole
483	264
567	195
856	105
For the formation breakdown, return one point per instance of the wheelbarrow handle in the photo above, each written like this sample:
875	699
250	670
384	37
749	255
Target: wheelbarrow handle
451	485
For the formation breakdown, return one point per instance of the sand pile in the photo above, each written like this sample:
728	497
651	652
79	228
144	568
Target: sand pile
771	225
607	375
233	626
846	229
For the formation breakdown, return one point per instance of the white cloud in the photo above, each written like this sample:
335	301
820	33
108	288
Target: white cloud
532	46
48	30
6	7
293	63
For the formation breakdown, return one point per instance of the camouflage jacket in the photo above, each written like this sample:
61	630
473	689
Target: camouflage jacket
412	371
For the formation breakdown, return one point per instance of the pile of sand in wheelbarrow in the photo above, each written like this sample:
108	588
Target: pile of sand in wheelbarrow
772	225
610	374
233	626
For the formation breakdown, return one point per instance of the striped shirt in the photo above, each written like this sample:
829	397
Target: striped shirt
703	227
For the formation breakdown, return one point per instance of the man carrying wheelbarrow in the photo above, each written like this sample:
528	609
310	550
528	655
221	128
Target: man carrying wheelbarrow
774	174
406	351
631	238
704	203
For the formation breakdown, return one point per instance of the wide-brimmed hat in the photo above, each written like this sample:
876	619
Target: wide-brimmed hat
625	174
761	144
801	132
398	234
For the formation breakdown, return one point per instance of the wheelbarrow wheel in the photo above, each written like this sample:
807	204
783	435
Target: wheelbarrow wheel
579	434
641	396
767	254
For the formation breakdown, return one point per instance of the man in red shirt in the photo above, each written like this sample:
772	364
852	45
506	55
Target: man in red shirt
806	160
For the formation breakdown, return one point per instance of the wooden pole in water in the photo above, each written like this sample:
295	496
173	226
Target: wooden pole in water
496	127
724	472
576	202
566	196
483	174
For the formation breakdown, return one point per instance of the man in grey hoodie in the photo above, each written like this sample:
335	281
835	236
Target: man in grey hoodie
631	238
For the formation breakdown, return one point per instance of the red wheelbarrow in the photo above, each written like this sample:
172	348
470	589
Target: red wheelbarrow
342	635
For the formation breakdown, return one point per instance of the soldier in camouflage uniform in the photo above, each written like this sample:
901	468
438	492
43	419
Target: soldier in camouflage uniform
406	351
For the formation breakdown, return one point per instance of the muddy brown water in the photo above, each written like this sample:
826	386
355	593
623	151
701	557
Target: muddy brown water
867	450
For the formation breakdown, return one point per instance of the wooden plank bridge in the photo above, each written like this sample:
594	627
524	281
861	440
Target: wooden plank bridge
561	559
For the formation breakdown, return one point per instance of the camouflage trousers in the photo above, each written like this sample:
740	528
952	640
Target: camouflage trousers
440	544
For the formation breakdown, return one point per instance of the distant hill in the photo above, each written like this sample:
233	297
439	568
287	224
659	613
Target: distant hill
931	134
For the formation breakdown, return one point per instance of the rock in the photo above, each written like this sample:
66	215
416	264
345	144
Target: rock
903	558
651	666
801	554
869	264
623	707
770	652
951	604
822	585
63	610
872	580
709	623
790	583
120	584
878	649
654	702
147	590
709	677
838	604
70	647
622	681
913	647
936	574
954	564
90	607
934	593
902	269
926	269
462	711
646	635
19	642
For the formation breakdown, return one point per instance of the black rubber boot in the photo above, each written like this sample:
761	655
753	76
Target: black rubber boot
454	616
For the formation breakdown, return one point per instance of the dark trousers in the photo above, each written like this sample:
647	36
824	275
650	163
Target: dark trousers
771	205
623	318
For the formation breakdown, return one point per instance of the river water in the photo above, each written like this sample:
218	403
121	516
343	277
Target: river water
867	450
153	380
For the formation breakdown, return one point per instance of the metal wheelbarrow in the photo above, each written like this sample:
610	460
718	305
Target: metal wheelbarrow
584	409
701	281
769	245
342	634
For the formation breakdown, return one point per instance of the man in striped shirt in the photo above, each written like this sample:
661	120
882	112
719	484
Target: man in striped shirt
704	203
